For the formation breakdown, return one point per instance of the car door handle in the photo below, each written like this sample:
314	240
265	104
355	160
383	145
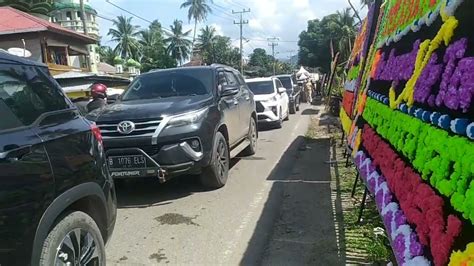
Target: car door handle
15	154
236	102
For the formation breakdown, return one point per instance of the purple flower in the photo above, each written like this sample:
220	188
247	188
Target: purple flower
399	246
416	249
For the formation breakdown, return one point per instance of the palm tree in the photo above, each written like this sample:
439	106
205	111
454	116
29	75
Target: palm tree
125	34
197	11
107	55
206	42
346	28
178	42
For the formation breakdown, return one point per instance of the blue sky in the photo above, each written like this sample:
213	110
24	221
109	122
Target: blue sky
284	19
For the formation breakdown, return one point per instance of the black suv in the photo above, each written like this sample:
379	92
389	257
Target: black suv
57	201
180	121
293	90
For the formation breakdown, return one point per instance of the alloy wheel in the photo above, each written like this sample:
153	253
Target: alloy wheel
78	248
253	134
222	159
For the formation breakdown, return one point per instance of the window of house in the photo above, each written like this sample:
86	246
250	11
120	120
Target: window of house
68	15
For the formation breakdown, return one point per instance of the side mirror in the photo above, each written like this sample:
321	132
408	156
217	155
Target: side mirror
281	90
113	98
229	90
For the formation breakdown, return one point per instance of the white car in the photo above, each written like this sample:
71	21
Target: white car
271	99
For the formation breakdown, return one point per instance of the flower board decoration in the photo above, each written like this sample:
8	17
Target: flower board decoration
412	130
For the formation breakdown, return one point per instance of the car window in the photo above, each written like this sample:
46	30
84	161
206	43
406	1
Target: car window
286	81
240	79
261	87
231	78
165	84
222	80
25	94
278	83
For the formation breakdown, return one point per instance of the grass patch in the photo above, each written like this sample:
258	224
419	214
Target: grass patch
362	244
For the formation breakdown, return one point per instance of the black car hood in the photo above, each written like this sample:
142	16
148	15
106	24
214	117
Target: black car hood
150	109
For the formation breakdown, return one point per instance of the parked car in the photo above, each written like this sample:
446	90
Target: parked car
180	121
293	90
272	100
57	201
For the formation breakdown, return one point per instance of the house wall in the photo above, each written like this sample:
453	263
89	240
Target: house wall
32	44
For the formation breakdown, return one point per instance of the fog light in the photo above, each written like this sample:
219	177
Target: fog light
274	110
195	144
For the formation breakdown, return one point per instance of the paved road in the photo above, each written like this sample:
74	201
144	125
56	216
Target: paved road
179	223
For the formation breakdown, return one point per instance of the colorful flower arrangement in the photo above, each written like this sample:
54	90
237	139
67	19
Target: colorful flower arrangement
459	126
403	16
457	81
443	160
465	258
408	250
418	201
347	102
346	121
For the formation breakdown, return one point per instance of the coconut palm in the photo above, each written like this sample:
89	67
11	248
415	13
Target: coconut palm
197	11
125	34
178	42
206	42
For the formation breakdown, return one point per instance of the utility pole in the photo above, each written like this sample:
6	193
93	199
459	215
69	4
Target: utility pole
291	56
273	42
241	23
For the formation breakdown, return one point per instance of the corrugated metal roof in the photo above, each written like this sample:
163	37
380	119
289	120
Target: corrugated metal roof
15	21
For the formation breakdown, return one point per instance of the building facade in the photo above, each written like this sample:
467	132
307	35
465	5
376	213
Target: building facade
68	14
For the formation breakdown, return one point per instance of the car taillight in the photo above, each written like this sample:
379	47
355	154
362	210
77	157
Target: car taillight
96	132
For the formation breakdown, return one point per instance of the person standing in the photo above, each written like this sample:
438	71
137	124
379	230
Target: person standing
309	92
99	94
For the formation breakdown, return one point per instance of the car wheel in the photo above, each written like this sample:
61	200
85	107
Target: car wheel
293	108
287	117
298	106
74	240
252	137
279	123
215	175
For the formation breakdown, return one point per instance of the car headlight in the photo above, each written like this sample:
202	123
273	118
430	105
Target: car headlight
271	100
187	118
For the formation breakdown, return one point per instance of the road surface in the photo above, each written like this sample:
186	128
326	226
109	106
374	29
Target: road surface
179	223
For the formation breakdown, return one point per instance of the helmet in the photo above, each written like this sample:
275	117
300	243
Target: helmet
99	90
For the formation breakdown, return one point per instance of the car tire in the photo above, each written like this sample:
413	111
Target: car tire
293	108
216	174
63	240
252	137
298	105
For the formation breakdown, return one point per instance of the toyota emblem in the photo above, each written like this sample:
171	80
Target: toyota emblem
126	127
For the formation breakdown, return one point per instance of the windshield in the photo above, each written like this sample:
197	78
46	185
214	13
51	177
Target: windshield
165	84
261	87
286	81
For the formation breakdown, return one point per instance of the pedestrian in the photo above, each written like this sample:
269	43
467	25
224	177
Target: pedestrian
99	94
309	92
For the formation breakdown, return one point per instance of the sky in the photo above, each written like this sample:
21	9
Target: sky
284	19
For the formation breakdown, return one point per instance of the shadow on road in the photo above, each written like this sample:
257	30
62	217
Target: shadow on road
310	112
301	223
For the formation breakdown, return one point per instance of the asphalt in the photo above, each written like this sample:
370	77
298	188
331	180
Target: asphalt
276	209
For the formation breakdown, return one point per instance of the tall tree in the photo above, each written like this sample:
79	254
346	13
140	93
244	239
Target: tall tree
153	49
206	41
197	11
125	34
178	42
107	55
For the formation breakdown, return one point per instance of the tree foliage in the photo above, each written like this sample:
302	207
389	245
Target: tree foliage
125	35
336	30
261	64
179	45
153	49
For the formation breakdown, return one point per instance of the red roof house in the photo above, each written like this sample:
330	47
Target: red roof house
48	42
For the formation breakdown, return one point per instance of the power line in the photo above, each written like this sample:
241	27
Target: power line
241	24
133	14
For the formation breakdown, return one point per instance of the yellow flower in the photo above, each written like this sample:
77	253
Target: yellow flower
465	258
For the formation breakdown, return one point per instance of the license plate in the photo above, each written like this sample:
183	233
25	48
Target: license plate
127	162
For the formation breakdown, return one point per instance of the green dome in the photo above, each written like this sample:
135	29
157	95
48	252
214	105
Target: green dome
74	6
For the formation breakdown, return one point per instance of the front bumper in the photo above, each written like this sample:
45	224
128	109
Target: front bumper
268	112
171	160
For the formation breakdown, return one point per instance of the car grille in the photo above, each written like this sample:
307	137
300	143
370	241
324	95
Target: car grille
259	107
143	128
